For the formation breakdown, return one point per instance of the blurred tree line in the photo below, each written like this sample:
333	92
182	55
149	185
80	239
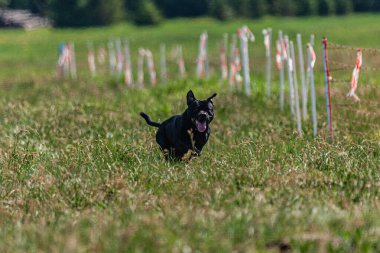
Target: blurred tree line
147	12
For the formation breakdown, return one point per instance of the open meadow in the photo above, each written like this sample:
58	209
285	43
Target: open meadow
80	171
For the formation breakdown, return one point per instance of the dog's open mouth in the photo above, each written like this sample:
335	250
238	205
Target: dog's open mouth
201	126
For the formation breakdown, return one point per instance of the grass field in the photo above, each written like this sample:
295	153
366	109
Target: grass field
81	172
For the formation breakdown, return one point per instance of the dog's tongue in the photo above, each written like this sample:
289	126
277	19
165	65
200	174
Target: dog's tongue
201	126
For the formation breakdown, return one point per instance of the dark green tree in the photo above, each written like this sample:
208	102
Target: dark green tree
85	12
147	13
284	7
220	9
102	12
257	8
240	7
343	7
306	7
325	7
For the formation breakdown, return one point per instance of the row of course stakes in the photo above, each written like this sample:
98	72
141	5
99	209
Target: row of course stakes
202	61
295	89
128	76
267	43
245	36
302	76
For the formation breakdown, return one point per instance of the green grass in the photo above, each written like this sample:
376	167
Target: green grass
81	172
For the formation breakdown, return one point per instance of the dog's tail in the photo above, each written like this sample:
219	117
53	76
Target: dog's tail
149	121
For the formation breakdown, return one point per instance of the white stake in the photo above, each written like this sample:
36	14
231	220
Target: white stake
73	65
290	75
303	80
232	73
310	51
202	61
164	74
245	34
140	66
223	58
91	59
128	76
308	70
119	58
181	62
295	87
267	42
282	85
112	57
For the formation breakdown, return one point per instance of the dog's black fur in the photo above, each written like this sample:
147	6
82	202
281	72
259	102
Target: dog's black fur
186	132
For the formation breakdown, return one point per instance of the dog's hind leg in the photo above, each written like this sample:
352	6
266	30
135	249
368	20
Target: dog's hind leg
163	143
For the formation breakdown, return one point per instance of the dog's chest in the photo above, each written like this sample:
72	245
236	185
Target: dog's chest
200	139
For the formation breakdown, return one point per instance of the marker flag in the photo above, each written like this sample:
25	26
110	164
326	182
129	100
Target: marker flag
266	34
202	57
91	59
278	55
355	75
151	68
140	67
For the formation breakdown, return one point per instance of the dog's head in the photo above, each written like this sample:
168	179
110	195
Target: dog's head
200	112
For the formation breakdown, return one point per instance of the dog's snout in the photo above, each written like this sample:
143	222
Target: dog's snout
202	116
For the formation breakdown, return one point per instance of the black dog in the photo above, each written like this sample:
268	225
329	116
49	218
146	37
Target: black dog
187	132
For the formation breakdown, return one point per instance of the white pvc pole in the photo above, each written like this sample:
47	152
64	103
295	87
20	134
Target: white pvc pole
302	75
232	62
223	58
207	63
290	75
268	54
282	86
181	62
312	89
244	53
164	74
91	59
73	65
308	71
119	58
298	111
128	76
140	66
112	57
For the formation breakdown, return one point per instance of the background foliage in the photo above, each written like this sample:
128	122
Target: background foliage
147	12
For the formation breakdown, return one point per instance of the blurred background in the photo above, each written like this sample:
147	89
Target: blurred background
79	13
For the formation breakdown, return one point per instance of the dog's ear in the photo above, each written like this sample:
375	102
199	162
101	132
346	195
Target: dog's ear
211	97
190	97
